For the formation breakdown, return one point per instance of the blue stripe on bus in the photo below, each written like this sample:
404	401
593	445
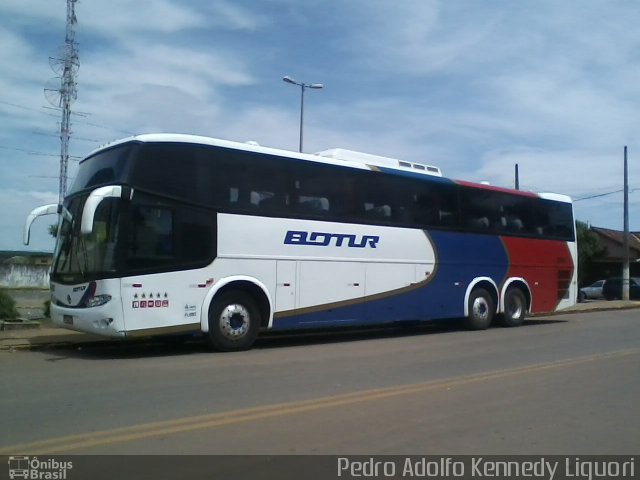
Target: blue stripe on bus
419	176
460	258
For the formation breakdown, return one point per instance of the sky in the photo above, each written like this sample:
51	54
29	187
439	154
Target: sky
473	87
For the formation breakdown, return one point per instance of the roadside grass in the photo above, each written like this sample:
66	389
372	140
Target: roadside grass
7	306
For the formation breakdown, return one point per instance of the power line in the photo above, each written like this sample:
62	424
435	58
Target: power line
77	114
598	195
108	128
39	154
604	194
47	134
20	106
28	108
57	109
81	114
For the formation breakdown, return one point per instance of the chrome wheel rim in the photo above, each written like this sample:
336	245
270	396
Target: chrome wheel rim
480	308
515	309
234	321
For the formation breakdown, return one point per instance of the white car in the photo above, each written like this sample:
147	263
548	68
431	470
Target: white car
592	292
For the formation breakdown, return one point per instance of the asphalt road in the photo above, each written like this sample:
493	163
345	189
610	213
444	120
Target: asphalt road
564	385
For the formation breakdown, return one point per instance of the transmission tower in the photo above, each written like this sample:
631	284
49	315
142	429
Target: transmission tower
61	91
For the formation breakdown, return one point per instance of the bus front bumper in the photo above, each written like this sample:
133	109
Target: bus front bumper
100	320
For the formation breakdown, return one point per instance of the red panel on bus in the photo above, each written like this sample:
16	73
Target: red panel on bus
546	265
482	186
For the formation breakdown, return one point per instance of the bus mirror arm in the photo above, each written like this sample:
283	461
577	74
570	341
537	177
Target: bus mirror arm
35	213
95	198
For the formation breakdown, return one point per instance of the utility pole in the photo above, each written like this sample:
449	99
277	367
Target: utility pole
65	93
625	244
68	95
517	182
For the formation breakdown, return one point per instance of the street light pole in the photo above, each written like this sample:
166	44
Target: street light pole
625	243
302	86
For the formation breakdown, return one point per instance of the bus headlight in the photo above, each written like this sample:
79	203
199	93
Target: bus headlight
97	300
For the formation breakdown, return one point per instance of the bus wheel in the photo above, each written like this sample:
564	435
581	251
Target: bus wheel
234	321
481	310
515	308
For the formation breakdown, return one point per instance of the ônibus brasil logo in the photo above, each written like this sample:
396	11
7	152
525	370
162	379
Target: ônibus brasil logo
36	469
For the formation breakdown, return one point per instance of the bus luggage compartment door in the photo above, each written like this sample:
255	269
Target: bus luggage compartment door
286	285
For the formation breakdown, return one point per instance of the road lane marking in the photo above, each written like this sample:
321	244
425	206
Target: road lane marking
201	422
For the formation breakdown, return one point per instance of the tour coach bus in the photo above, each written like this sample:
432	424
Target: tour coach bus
165	233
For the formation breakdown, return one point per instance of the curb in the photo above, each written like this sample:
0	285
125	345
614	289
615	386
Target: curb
44	342
588	310
19	324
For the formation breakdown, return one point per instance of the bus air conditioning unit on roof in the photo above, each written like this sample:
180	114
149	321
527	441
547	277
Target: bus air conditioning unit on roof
379	161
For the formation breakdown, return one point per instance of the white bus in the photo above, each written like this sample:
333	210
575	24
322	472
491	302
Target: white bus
165	233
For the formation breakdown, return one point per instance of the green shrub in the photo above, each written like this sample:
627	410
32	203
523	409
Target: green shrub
7	306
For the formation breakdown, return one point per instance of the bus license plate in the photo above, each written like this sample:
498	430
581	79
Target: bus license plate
67	320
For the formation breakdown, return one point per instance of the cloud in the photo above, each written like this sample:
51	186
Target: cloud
418	37
187	68
159	20
19	204
117	18
39	11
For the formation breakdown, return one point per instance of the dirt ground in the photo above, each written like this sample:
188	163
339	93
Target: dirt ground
29	302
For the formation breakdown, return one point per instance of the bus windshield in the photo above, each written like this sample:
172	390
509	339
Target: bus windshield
107	167
83	256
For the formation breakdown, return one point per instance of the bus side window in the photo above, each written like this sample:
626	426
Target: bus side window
196	235
427	210
513	223
478	222
313	205
555	220
480	210
274	204
309	193
377	212
152	232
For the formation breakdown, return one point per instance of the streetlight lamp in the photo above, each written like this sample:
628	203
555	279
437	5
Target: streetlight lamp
302	86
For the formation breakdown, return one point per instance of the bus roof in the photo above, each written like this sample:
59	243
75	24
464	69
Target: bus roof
335	156
216	142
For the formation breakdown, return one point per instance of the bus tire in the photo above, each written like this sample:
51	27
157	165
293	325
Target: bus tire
234	322
515	308
481	310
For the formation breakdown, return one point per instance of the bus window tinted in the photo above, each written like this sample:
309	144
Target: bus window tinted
164	234
480	209
168	169
109	166
516	214
251	183
554	220
435	204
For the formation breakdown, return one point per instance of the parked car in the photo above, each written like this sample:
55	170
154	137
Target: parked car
612	288
592	292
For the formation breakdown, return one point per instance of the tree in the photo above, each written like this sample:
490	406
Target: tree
589	249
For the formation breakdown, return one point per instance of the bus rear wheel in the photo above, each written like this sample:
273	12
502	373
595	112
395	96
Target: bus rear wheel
515	308
234	322
481	310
